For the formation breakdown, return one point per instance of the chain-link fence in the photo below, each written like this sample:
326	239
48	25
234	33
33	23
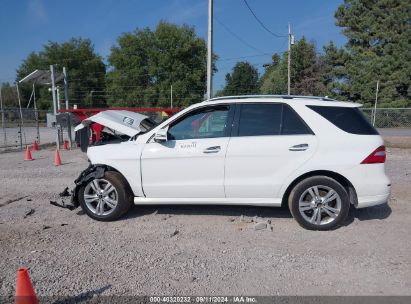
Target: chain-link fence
389	117
19	129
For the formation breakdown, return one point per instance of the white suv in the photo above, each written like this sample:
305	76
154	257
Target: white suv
315	154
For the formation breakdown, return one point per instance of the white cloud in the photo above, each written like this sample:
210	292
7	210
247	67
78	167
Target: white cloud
37	10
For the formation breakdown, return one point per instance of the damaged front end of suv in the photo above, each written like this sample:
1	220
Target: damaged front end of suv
114	127
111	127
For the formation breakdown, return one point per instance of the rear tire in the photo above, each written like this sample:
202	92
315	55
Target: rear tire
106	199
319	203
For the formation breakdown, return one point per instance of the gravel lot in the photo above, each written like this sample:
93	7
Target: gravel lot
195	250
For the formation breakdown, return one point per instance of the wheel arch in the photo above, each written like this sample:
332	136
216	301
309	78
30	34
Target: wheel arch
348	186
94	171
110	168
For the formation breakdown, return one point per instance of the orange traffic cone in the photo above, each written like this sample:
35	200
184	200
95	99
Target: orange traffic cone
25	293
57	159
35	146
28	154
65	144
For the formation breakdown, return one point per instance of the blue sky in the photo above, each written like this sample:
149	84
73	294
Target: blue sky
26	25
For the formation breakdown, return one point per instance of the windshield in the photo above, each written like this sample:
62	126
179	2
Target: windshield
147	124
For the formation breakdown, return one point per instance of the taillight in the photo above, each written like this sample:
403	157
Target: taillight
376	157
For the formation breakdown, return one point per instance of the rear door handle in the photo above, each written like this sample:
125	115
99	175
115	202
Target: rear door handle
214	149
300	147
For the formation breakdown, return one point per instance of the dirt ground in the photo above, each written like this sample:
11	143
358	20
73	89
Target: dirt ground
195	250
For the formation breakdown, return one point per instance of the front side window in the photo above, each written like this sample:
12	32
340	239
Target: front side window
203	123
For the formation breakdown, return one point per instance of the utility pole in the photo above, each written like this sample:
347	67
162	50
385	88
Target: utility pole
66	87
91	98
21	119
171	96
375	104
210	50
36	112
3	121
53	93
289	59
58	98
53	89
66	98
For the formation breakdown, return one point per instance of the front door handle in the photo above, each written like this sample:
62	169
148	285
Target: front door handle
300	147
214	149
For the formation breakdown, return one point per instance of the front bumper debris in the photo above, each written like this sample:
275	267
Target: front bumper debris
91	172
63	204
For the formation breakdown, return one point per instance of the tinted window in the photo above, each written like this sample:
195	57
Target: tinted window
292	123
204	123
259	119
350	120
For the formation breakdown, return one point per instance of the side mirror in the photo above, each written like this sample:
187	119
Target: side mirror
161	135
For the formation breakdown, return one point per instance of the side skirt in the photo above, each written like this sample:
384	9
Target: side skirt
273	202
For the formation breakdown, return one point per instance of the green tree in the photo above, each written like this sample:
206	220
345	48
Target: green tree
274	79
379	36
145	64
242	81
8	95
334	72
86	72
306	72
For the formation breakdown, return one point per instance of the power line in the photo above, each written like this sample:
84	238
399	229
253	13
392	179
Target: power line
130	75
110	91
210	50
243	57
261	23
239	38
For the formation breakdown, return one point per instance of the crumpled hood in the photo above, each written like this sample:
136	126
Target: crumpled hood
122	121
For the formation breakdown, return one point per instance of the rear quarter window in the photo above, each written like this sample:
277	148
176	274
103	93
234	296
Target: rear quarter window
350	120
293	124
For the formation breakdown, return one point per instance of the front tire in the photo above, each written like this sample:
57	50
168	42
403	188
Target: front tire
107	198
319	203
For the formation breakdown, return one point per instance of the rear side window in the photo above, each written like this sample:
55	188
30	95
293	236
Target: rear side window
350	120
260	119
270	119
292	123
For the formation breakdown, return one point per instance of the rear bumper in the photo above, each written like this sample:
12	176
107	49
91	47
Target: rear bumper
371	184
368	201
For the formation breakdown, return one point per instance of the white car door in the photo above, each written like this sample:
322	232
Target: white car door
269	141
190	164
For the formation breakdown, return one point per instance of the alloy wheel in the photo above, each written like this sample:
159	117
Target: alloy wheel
319	205
100	196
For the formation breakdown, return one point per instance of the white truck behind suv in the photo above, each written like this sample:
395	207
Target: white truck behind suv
314	154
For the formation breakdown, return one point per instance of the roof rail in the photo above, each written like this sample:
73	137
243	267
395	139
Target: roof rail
326	98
